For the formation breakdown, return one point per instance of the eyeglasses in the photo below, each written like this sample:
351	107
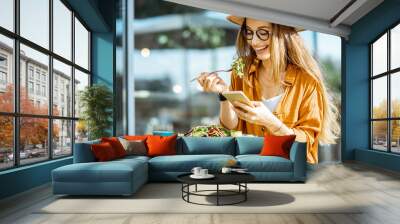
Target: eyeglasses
262	34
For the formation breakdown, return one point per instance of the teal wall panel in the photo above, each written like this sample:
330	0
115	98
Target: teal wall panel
356	101
102	58
24	178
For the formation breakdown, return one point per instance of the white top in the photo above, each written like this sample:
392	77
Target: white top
272	102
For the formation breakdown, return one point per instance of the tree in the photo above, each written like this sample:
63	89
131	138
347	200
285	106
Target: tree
96	102
33	130
380	127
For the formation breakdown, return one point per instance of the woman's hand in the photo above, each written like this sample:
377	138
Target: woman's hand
258	114
212	83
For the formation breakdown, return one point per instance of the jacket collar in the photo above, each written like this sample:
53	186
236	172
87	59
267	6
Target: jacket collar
290	76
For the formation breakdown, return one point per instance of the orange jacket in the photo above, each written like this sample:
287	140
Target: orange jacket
300	108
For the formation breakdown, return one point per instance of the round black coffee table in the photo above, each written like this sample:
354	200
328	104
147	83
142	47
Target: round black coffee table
238	179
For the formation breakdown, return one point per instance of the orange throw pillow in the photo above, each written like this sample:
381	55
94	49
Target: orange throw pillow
277	145
103	151
161	145
116	145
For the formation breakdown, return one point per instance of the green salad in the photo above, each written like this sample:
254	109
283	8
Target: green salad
238	66
212	131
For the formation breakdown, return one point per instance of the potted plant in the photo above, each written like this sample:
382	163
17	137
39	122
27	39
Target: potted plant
96	103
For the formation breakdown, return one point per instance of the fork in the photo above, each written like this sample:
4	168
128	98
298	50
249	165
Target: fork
222	70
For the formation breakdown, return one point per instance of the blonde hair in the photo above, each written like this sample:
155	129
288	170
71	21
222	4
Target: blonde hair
287	47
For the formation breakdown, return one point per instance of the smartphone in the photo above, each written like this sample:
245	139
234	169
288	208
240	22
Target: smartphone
237	96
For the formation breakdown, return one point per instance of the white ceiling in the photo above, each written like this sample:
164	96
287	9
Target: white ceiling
326	16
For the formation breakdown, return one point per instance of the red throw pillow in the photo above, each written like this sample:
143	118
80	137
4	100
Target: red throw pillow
277	145
116	145
161	145
135	137
103	151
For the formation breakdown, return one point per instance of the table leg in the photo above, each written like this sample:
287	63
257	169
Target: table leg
245	193
217	194
188	189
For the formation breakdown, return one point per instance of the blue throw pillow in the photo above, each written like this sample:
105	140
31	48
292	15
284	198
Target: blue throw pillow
249	145
207	145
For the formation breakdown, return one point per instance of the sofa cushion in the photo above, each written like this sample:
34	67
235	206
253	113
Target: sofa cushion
112	171
210	145
161	145
134	147
249	145
257	163
103	152
185	163
277	145
116	145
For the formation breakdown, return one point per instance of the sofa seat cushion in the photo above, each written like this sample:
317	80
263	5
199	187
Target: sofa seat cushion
112	171
133	158
185	163
257	163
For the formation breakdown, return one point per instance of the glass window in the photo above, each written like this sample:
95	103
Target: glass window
3	61
81	131
7	14
35	21
40	62
3	78
6	73
62	138
379	56
395	95
81	45
81	81
34	79
62	72
31	88
37	89
43	90
395	138
381	118
62	29
33	140
395	47
37	75
30	71
379	98
6	142
379	135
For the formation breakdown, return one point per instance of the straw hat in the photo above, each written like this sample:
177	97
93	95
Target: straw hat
239	20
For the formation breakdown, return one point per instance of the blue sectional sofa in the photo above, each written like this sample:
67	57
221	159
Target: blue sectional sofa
125	176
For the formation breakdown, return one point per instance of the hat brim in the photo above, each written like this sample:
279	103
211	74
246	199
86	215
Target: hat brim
238	20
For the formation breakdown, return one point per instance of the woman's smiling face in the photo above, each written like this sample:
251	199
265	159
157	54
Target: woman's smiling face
258	35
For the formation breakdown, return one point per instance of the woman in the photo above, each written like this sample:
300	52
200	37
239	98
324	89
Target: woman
284	83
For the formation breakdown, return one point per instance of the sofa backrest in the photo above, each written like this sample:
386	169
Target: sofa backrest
249	145
204	145
83	152
190	146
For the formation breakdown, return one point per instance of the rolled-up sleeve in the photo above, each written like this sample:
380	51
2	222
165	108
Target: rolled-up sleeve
308	126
